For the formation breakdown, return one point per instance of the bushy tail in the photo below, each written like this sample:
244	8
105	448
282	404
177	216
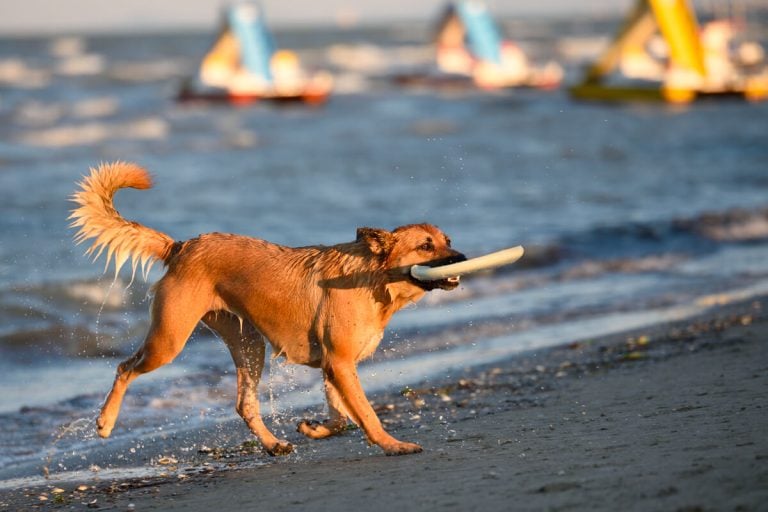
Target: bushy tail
97	218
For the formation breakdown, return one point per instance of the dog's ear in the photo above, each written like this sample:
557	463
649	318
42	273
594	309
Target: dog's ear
379	241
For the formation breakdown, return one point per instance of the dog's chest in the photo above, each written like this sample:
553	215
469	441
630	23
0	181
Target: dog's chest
369	345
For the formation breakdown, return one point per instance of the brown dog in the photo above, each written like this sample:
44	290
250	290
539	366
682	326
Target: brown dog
324	307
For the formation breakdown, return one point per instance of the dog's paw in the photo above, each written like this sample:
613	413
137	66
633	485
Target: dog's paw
401	448
103	428
309	428
316	430
279	448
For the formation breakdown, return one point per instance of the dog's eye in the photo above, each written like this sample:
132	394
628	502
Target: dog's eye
448	241
427	246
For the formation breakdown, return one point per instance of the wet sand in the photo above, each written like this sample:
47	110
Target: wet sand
670	418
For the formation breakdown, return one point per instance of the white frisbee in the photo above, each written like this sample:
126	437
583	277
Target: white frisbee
489	261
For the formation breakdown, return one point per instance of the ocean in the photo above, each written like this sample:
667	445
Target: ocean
631	215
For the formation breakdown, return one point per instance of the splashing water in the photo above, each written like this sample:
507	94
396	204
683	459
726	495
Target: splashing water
101	307
280	373
74	427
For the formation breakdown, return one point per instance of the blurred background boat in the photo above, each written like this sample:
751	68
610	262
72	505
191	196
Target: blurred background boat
469	48
244	65
662	53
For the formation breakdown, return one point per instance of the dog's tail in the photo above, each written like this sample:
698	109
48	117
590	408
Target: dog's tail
96	217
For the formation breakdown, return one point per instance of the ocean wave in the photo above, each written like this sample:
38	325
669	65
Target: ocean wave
663	247
17	73
734	225
620	245
80	134
150	70
79	318
74	340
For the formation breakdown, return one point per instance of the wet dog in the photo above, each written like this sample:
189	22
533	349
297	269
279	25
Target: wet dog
321	306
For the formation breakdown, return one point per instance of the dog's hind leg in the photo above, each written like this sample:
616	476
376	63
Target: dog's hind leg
175	312
335	424
248	348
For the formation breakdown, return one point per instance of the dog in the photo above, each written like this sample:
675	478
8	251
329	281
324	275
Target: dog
321	306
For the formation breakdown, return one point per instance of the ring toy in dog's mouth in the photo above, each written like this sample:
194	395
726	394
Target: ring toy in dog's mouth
454	270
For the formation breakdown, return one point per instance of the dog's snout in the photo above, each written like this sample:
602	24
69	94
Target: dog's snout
456	257
450	257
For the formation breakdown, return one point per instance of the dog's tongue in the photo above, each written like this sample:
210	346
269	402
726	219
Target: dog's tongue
454	270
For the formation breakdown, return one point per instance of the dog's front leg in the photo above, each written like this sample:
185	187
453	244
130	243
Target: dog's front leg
342	374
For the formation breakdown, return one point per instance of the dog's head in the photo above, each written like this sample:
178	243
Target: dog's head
414	244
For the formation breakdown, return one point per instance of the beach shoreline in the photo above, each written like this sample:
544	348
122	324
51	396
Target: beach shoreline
670	417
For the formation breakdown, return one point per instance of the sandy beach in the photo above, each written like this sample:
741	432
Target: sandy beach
670	418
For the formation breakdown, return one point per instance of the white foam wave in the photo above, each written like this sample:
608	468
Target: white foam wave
16	73
66	46
150	70
147	128
81	65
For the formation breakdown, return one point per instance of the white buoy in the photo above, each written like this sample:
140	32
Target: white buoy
489	261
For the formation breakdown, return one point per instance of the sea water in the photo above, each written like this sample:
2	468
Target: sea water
631	214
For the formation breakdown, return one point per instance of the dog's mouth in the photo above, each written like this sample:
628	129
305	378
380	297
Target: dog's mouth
449	283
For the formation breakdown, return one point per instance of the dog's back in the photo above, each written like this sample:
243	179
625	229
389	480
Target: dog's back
284	292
